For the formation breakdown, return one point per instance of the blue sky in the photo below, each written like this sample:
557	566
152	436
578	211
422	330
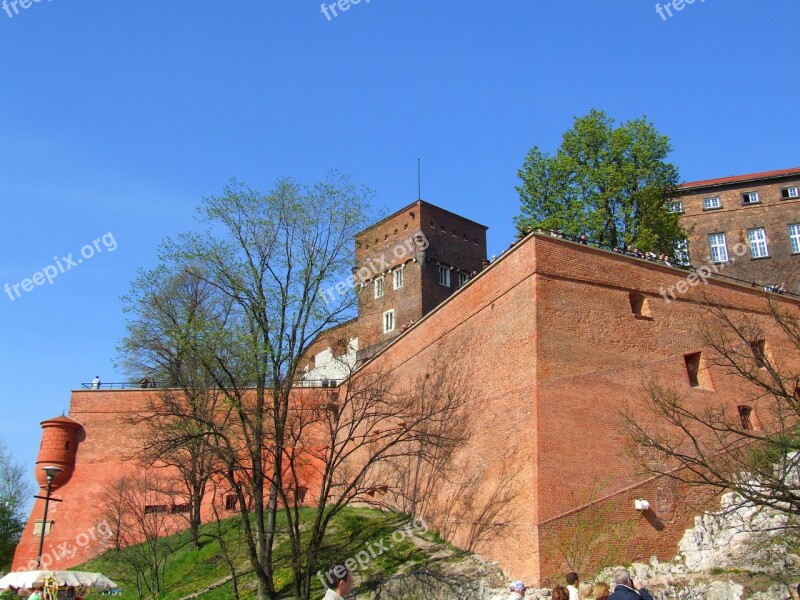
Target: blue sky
116	118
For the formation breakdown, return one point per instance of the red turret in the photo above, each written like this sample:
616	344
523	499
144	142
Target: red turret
59	445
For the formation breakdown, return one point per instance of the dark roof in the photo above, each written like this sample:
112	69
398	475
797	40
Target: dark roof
740	178
420	202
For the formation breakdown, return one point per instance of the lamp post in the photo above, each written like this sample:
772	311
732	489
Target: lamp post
51	474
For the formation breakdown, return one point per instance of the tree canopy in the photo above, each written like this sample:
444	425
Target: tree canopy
612	183
15	491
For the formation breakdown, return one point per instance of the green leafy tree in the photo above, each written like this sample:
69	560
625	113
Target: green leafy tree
611	183
15	491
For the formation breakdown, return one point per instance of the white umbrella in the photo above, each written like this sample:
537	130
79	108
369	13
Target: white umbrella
27	579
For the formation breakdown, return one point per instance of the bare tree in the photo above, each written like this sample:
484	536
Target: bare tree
143	525
351	440
746	442
591	535
270	257
179	322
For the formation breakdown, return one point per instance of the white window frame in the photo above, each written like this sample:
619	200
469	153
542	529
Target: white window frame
794	237
751	198
711	203
719	251
388	321
676	206
462	279
758	242
444	276
379	287
791	192
397	278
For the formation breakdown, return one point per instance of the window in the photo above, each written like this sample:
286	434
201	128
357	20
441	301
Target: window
750	198
388	321
711	203
790	192
675	207
379	287
37	527
156	509
759	349
444	276
431	224
719	248
794	238
699	376
462	279
744	417
758	243
181	508
640	307
230	502
301	493
398	278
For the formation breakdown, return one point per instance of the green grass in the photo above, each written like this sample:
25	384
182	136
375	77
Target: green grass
352	531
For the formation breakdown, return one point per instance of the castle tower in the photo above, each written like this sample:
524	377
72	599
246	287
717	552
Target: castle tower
409	263
59	447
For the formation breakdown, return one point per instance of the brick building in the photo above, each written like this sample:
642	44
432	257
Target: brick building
555	339
749	225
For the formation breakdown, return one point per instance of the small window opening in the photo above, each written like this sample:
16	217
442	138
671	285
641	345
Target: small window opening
693	368
181	508
230	502
66	446
640	306
745	417
156	509
759	349
431	223
301	493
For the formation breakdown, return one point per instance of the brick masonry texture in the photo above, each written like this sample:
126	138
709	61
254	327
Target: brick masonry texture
734	219
552	353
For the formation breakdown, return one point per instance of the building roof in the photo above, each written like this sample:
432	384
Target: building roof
62	420
739	178
420	202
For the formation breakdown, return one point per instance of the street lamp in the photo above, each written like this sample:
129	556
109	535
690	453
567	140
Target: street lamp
51	474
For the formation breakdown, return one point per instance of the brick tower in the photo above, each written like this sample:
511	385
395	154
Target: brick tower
409	263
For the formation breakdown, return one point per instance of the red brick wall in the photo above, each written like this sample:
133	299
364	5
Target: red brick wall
552	353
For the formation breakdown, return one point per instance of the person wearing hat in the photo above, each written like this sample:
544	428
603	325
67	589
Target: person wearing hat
517	590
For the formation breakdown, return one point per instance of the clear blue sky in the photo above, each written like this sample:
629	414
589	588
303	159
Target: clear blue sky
118	116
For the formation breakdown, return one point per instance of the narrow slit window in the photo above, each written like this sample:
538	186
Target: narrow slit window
759	349
745	416
640	306
697	371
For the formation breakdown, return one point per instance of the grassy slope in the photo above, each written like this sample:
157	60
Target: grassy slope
353	530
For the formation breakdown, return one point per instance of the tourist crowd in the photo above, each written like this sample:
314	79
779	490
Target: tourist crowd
625	588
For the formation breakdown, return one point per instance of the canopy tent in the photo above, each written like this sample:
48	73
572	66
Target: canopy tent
29	579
